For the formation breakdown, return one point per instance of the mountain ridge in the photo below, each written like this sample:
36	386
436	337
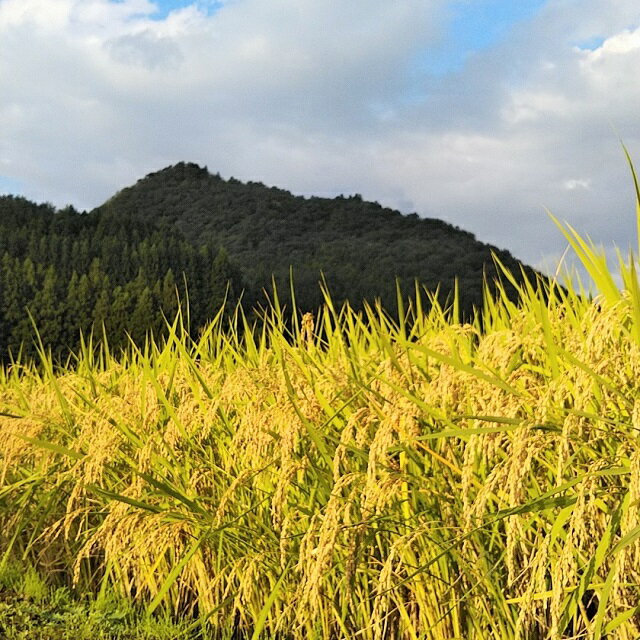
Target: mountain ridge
360	246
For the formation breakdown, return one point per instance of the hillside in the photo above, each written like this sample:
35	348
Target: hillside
360	246
183	228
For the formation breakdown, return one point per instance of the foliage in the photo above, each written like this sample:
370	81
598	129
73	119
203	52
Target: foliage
59	614
183	231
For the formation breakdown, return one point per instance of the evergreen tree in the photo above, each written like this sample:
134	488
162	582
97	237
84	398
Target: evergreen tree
4	326
102	308
78	307
168	296
48	311
117	321
17	326
12	301
224	283
142	319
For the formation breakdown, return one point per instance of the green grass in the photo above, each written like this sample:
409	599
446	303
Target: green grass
30	610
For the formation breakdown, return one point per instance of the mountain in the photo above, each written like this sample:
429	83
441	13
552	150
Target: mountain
183	229
360	247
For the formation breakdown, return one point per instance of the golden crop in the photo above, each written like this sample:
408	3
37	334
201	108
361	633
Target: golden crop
354	477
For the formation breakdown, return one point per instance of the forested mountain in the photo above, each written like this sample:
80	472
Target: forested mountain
120	265
360	246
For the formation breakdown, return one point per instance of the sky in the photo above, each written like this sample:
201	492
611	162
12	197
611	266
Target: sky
484	113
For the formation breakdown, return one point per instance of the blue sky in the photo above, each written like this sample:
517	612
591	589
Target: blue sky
474	26
478	112
471	25
166	6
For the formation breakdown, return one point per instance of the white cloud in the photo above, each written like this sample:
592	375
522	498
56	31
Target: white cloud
322	97
576	183
93	83
621	43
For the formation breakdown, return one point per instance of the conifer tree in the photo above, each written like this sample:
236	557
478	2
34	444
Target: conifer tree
224	282
47	310
117	320
78	307
102	307
168	297
142	319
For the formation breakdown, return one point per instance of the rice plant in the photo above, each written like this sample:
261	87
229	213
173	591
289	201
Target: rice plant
347	474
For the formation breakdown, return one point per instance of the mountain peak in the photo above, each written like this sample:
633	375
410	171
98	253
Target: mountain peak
360	247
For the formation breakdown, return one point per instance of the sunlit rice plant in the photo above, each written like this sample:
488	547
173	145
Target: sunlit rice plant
347	474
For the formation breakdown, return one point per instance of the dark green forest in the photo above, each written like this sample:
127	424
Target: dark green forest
183	233
69	272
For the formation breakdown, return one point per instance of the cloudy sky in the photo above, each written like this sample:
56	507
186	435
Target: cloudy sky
479	112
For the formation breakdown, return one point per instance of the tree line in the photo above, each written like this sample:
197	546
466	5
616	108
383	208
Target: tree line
68	273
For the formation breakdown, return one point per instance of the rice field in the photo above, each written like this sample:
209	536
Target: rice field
347	474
